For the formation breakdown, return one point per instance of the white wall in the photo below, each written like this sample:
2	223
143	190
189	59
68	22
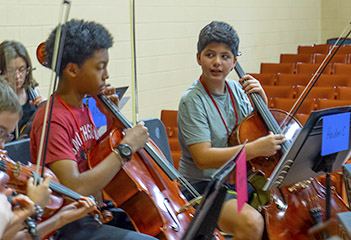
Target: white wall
166	34
336	16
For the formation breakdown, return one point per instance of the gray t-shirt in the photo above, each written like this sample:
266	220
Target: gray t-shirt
199	121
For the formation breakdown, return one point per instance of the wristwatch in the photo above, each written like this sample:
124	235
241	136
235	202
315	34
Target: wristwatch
125	151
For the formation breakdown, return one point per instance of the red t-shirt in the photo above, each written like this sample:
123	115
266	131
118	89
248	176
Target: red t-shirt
64	138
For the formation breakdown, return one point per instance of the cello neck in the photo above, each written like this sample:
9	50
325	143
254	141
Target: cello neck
263	110
163	163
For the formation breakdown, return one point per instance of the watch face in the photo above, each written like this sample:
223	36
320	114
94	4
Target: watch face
126	151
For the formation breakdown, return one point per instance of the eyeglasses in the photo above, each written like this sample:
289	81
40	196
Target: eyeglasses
22	71
4	136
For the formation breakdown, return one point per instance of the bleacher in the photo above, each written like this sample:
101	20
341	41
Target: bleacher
285	81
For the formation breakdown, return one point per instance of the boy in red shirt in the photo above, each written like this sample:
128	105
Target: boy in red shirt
83	71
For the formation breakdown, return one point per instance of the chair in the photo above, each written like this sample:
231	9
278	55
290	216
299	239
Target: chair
343	93
338	58
342	69
158	134
333	80
265	78
277	68
169	119
317	92
316	48
305	50
326	103
286	79
279	91
311	68
295	58
344	49
19	150
287	103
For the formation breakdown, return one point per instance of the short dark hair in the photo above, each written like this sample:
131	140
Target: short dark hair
8	99
81	41
11	50
218	32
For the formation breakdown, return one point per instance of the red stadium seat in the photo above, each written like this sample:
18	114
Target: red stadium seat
333	80
295	58
342	69
286	79
317	48
277	68
287	103
338	58
310	68
326	103
317	92
265	78
279	91
343	93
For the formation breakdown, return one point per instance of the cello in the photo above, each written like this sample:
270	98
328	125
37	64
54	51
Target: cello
149	197
292	210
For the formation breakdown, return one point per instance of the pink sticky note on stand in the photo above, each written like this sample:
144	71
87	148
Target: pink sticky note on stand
241	180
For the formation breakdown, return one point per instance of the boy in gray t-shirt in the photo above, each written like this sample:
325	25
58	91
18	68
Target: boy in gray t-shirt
208	112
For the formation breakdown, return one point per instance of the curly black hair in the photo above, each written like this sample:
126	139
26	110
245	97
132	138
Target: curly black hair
82	39
218	32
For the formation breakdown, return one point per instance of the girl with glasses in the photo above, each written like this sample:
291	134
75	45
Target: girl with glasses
16	67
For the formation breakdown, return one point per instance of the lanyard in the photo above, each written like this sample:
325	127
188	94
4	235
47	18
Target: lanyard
76	120
219	111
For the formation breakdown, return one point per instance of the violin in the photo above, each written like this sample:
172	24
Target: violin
18	175
292	210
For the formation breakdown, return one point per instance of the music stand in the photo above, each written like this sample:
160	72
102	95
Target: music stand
204	222
303	159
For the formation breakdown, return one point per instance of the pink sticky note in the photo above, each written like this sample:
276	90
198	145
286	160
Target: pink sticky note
241	180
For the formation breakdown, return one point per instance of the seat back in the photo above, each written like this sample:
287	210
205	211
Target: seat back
158	134
277	68
295	58
19	150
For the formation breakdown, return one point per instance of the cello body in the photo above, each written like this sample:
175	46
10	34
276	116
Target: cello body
151	205
151	199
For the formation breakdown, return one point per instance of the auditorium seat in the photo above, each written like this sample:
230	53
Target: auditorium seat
265	78
311	68
317	92
342	69
345	49
295	58
317	48
343	93
279	91
338	58
326	103
169	119
287	103
333	80
286	79
277	68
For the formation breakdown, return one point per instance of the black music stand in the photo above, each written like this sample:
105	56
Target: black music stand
204	222
303	160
